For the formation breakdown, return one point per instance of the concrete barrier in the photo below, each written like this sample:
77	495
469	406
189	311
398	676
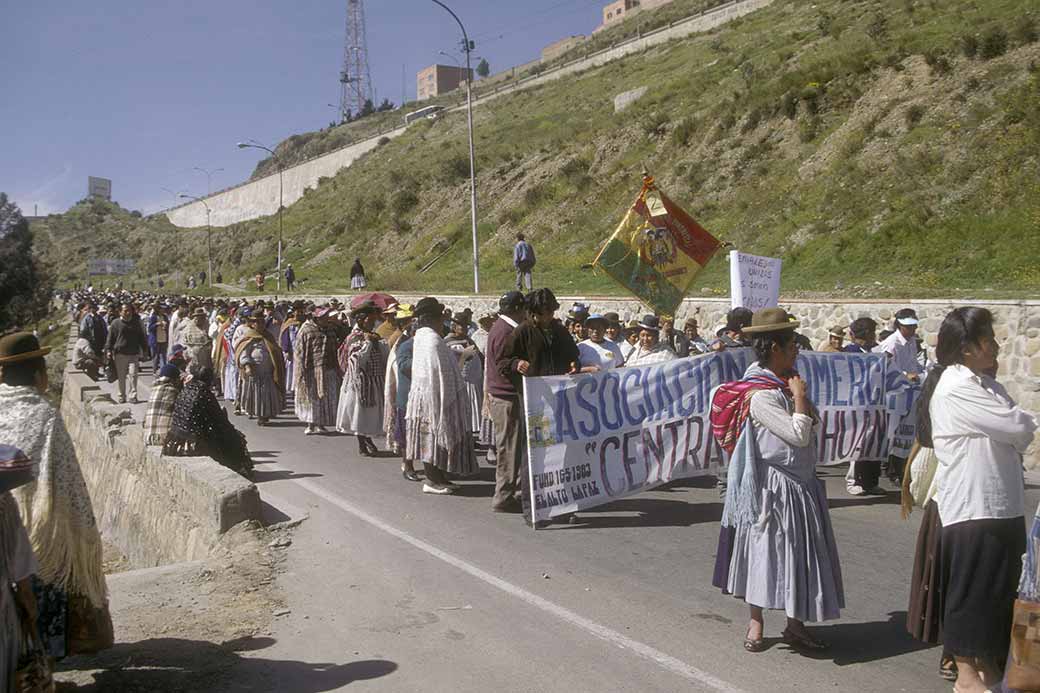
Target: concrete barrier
155	509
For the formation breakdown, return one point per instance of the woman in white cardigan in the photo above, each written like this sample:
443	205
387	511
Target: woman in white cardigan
979	436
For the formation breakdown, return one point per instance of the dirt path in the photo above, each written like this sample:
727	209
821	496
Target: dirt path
181	627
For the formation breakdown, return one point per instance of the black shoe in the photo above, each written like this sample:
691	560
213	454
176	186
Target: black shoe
410	475
510	506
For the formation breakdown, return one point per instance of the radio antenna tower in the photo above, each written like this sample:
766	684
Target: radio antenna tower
355	78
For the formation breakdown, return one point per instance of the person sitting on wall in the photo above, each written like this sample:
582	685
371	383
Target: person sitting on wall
201	427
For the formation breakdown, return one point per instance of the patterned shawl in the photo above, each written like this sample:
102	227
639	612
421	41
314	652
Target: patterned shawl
309	356
731	404
159	415
363	362
56	508
273	351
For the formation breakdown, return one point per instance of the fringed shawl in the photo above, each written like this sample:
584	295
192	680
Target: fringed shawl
309	356
438	393
273	351
363	362
56	508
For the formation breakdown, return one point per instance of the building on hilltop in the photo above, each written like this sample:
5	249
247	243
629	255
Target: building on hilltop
558	48
619	10
439	79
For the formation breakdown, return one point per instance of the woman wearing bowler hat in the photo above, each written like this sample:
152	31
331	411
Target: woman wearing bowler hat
776	548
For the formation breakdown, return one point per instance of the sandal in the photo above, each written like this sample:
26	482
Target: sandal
804	642
753	645
948	669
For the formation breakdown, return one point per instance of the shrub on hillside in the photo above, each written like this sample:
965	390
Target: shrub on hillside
938	63
456	168
969	45
913	115
684	130
994	43
654	124
789	105
1025	30
402	202
383	140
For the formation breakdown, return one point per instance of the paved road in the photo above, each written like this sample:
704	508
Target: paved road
394	590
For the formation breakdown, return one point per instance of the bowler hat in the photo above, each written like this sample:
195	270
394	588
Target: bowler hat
651	323
511	302
21	346
428	306
770	320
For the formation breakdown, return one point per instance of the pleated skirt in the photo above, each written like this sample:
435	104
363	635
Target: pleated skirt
319	411
788	560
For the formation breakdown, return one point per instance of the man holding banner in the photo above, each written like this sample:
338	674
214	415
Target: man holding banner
540	346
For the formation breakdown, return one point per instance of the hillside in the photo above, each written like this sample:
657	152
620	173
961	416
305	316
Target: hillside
883	148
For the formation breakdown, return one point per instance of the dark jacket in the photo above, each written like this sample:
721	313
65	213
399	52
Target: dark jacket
126	337
550	352
498	385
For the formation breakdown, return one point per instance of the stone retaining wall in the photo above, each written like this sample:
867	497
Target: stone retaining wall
155	509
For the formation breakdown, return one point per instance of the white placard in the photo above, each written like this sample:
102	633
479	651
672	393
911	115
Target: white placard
754	281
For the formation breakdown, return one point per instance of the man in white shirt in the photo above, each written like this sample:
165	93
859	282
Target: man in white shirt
901	345
597	352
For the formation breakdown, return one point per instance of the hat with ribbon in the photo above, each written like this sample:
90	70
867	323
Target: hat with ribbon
650	323
20	346
770	320
404	311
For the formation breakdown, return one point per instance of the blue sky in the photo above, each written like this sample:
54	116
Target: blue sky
144	92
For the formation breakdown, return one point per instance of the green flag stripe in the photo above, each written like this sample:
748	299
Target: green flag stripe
624	266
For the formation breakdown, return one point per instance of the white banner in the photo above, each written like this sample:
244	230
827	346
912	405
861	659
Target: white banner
598	437
754	281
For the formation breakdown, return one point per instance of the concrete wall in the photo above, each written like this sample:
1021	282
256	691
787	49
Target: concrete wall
259	198
155	509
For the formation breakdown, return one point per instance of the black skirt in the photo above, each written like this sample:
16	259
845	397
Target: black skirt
982	564
925	611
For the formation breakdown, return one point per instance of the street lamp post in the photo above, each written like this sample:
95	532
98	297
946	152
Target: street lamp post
209	177
209	239
256	145
173	194
468	46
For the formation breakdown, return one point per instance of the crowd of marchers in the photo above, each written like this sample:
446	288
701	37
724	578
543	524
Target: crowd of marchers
445	387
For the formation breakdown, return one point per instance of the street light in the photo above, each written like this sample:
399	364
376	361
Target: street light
256	145
209	240
209	177
172	193
468	46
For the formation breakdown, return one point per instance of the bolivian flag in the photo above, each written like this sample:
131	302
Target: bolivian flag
657	251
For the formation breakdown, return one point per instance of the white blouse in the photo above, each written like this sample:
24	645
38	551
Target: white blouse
605	354
980	436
